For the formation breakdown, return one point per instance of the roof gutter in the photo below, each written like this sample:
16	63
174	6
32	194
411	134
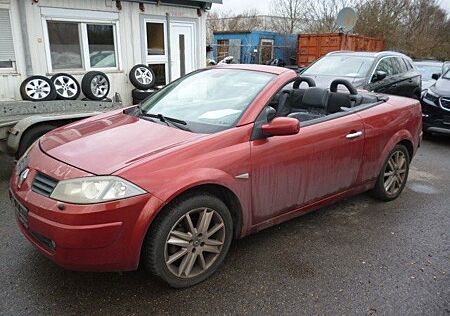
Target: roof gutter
180	3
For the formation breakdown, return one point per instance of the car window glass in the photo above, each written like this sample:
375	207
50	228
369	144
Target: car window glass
341	65
427	71
386	65
409	66
398	65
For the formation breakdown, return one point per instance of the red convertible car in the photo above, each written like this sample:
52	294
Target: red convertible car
218	154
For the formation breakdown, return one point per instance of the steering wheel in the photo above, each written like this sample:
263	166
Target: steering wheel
299	80
334	84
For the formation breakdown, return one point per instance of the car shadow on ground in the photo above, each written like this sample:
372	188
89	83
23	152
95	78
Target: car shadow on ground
289	249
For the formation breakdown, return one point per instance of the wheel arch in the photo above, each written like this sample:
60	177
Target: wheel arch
409	146
221	191
224	193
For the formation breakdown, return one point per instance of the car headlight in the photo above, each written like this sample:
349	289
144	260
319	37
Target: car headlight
430	95
97	189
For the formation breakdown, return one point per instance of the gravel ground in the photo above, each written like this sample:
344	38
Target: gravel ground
359	256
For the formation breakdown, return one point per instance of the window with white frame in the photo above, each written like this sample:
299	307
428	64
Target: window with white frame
82	45
7	56
156	49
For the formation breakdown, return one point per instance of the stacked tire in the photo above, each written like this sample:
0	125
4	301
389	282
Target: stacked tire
95	86
143	79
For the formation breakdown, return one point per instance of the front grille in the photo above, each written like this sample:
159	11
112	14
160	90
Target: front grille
445	103
43	184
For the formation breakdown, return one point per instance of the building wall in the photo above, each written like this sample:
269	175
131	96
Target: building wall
284	45
29	33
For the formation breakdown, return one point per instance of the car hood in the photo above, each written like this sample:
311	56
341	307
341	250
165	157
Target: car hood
323	81
442	87
427	84
108	143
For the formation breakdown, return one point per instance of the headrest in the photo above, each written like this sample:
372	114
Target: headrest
315	97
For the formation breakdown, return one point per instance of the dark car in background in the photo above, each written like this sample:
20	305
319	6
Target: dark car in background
428	68
384	72
436	106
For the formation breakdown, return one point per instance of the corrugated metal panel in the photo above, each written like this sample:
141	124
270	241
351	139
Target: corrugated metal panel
314	46
6	39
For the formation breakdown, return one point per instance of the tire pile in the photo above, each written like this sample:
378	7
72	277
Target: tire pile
95	86
143	79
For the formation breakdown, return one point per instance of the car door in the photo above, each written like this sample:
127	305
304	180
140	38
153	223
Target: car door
291	171
413	80
393	81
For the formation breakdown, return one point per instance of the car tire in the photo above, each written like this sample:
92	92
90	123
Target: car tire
393	175
142	77
66	86
95	85
141	95
37	88
30	136
170	235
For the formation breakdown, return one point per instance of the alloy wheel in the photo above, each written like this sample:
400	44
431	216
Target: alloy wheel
194	243
99	86
395	172
65	86
143	75
37	89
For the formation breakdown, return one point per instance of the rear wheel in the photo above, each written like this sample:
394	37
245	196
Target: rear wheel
187	243
393	176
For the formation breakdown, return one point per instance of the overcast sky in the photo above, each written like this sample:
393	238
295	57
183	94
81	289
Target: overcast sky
263	6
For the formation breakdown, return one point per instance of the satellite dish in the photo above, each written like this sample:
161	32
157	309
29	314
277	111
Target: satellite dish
346	19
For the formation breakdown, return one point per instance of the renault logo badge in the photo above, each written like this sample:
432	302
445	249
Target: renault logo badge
22	177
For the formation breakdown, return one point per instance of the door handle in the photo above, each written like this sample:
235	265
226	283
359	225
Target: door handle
352	135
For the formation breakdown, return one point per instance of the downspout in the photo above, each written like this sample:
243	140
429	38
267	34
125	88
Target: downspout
25	40
169	54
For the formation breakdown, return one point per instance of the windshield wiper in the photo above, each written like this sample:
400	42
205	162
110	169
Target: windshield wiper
167	119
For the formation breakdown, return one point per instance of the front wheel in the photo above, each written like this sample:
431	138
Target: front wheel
393	176
188	242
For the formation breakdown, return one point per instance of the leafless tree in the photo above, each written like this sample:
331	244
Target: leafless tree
291	13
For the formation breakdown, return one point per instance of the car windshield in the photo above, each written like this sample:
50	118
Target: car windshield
341	65
428	70
208	101
447	74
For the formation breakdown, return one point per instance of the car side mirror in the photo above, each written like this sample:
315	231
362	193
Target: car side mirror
435	76
281	126
379	75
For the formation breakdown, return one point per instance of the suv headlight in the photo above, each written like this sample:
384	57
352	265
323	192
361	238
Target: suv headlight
91	190
431	96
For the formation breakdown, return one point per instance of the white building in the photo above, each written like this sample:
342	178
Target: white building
44	37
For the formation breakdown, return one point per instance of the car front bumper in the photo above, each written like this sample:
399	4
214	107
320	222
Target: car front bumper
96	237
435	119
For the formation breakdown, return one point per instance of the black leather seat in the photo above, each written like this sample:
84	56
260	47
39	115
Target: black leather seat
315	102
336	100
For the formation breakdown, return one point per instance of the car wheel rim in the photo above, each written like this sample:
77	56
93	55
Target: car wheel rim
65	86
99	86
395	172
37	89
194	243
143	75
